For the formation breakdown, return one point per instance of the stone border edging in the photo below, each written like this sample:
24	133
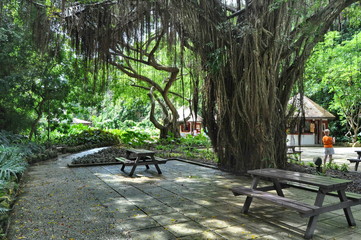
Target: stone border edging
92	164
117	163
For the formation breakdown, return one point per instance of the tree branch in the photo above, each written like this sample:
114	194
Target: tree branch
171	92
151	115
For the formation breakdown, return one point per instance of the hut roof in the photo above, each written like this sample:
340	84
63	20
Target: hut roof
312	109
185	112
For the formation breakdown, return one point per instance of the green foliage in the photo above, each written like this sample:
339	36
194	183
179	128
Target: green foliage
333	74
190	147
131	137
13	149
89	137
344	167
11	164
200	140
18	144
333	166
311	164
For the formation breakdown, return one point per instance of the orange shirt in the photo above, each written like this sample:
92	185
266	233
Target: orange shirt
327	142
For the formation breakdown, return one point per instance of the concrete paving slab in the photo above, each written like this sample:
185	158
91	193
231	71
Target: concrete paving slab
340	157
185	202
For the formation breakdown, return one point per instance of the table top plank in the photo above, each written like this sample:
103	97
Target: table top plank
140	152
316	180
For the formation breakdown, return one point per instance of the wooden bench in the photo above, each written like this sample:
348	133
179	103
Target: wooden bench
356	161
291	150
323	184
305	210
146	161
349	195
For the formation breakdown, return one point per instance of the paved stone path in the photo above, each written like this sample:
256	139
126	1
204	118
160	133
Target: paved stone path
340	156
185	202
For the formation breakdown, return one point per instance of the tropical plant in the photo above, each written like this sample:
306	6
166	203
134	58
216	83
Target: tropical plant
344	167
11	165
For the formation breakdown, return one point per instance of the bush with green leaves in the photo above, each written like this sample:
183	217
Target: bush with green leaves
12	165
200	140
344	167
89	137
133	138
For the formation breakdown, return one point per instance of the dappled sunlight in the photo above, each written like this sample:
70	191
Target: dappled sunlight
186	201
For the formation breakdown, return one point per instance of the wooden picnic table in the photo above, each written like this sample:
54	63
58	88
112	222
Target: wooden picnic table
356	160
136	157
281	178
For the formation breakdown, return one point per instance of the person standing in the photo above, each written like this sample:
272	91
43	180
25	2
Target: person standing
328	142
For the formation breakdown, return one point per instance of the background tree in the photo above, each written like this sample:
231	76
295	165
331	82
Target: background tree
137	50
30	82
254	58
14	42
335	67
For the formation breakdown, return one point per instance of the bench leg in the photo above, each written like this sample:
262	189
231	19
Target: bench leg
248	201
312	222
147	166
278	187
123	166
156	165
134	167
347	211
356	165
246	205
311	226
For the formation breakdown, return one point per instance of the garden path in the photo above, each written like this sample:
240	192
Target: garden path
185	202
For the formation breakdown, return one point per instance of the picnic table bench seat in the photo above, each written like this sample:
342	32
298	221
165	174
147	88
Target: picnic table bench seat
323	185
304	209
129	162
356	161
138	157
349	195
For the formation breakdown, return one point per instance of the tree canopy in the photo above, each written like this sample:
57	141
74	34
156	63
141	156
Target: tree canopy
336	67
252	54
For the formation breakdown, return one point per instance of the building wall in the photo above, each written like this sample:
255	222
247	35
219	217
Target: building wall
312	133
309	139
193	128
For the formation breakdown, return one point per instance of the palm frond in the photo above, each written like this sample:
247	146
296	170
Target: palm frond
11	164
3	210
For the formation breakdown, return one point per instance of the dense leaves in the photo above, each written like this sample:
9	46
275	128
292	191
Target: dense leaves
89	137
334	70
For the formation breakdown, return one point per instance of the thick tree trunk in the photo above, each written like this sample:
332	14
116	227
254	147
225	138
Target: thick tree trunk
170	126
39	112
251	76
171	130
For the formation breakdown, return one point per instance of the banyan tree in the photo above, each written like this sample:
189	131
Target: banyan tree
252	54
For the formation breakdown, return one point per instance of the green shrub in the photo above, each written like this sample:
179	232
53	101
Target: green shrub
11	164
311	164
200	140
89	137
335	166
344	167
134	138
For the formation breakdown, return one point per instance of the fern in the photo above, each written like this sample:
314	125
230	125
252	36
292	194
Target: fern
3	210
11	164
